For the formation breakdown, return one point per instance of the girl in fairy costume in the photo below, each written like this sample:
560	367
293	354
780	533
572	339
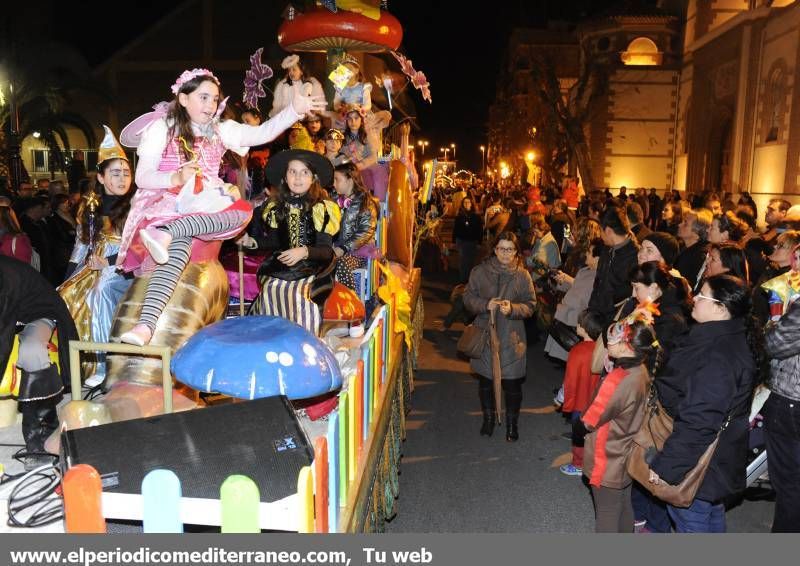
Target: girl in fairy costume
356	92
177	150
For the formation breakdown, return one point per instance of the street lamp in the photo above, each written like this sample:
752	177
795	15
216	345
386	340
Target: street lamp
452	145
445	150
483	161
423	144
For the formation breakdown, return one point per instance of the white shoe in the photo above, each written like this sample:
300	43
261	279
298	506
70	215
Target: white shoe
157	243
94	380
139	335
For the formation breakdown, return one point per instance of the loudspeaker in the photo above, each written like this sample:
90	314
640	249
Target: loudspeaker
261	439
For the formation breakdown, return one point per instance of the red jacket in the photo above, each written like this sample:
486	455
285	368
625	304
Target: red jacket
579	381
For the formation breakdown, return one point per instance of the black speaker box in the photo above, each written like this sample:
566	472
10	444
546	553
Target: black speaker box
260	439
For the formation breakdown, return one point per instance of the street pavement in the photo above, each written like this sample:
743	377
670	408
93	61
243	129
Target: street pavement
453	480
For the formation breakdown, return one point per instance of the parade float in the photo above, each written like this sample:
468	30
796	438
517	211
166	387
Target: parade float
201	373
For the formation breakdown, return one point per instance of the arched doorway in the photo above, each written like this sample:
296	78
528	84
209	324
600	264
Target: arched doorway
718	164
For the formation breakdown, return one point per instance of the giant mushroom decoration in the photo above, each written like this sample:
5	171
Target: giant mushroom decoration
340	32
323	30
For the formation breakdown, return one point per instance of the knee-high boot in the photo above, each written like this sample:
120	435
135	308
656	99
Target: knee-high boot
513	404
487	407
39	421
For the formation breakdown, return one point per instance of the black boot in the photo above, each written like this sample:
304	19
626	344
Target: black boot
513	404
39	421
487	407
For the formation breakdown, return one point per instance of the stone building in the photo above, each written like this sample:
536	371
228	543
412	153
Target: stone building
697	99
736	129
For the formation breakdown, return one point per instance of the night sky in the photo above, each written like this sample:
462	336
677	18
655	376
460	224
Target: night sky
458	44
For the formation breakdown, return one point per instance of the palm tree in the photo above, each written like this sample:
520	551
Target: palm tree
48	77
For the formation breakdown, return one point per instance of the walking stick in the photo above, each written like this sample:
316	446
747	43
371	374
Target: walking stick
494	343
241	279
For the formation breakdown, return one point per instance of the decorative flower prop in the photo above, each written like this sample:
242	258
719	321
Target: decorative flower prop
644	312
418	78
402	304
258	72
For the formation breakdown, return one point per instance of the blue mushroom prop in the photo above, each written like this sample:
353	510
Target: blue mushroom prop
257	356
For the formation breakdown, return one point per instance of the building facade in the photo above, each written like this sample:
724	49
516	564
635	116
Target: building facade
696	100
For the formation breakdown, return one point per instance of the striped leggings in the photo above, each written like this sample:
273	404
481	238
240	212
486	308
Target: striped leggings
290	300
165	277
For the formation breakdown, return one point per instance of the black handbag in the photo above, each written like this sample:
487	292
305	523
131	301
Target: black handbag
564	335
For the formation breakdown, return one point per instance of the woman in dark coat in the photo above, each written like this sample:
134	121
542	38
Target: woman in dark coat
707	385
501	283
467	232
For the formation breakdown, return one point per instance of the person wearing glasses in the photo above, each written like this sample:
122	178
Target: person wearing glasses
706	386
300	222
501	283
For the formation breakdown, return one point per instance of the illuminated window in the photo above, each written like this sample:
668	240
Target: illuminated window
642	51
774	102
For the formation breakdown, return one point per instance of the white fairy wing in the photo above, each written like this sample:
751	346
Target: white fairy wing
131	135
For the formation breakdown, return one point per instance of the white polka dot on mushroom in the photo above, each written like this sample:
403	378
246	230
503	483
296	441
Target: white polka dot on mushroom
285	359
310	352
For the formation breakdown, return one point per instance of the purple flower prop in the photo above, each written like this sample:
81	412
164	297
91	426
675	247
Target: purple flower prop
252	79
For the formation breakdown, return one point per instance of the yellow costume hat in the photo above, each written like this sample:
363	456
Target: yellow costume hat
110	148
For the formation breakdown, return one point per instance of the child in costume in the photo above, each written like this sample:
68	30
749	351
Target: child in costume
579	386
180	195
293	84
356	92
300	222
359	219
614	417
333	147
359	147
95	287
